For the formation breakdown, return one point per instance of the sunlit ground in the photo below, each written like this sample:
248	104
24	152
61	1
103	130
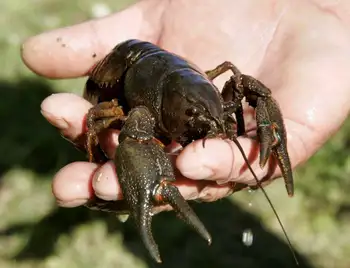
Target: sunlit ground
36	233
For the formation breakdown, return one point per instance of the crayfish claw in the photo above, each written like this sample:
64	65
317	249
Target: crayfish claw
145	174
137	175
170	194
273	138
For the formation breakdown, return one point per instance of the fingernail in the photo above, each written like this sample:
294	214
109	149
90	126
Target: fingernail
55	121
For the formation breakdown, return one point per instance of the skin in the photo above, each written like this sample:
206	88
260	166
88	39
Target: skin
299	49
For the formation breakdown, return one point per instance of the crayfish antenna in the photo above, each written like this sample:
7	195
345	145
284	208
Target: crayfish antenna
234	139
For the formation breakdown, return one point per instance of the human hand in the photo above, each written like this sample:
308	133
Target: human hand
300	50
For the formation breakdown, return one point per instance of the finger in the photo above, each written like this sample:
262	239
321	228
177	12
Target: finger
77	182
206	191
72	184
71	51
105	183
66	112
221	160
106	186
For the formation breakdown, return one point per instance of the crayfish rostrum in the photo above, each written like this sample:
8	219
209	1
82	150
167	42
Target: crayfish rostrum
157	97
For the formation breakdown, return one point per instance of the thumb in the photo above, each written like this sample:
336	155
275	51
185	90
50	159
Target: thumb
221	160
71	51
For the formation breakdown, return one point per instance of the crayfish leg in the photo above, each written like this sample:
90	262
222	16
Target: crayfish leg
223	68
100	117
232	92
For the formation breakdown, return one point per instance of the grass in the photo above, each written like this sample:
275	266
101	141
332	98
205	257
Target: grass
34	232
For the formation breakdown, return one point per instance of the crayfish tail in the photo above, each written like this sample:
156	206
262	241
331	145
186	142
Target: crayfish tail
172	195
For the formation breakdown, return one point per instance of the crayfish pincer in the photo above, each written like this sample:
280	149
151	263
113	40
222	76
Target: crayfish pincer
155	97
146	174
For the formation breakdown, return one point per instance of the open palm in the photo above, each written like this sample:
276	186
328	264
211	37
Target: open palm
300	50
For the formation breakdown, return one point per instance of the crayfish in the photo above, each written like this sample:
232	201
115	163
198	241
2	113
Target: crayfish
156	97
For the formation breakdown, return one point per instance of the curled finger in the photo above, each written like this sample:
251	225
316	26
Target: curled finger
67	113
71	185
77	183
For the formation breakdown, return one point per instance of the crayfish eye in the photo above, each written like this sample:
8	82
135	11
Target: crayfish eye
192	111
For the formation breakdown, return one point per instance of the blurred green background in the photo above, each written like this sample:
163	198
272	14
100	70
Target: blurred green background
34	232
